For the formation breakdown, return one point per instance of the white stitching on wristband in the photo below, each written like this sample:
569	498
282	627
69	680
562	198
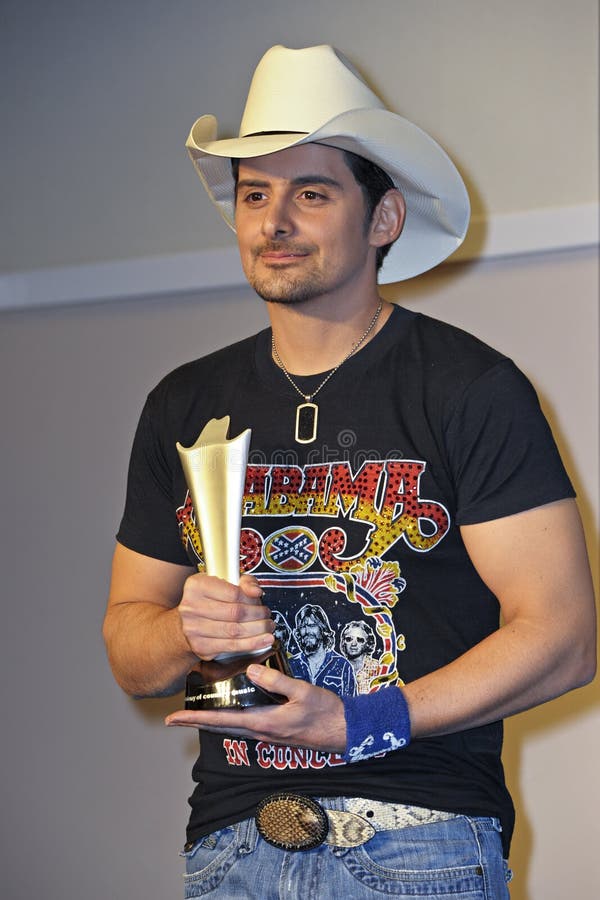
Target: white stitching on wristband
375	723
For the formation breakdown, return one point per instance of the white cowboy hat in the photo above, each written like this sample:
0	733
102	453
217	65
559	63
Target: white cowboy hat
315	95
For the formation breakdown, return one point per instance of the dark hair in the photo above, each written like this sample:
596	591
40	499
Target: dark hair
373	181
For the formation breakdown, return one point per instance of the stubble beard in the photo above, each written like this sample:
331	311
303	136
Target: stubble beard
288	294
279	285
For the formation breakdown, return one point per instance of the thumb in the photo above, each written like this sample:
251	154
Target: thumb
250	589
272	680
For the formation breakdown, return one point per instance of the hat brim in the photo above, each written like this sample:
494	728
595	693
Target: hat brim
437	203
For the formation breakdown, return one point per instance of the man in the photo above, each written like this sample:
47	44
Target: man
357	643
462	492
317	661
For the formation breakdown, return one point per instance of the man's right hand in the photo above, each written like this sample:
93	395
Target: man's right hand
162	617
221	618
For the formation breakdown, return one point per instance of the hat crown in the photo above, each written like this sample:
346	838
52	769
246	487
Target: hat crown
315	94
297	90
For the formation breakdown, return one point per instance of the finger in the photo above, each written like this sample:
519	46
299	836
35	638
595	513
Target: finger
208	642
235	619
274	681
220	721
200	589
203	586
210	587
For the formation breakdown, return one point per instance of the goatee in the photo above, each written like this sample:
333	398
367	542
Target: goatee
281	284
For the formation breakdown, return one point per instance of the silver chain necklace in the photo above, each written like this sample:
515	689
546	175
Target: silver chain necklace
307	413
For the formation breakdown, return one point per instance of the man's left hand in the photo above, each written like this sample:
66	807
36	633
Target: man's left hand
312	717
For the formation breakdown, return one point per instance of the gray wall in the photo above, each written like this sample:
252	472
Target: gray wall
99	99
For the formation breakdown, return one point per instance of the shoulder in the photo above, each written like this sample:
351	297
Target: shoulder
446	348
214	367
439	364
199	390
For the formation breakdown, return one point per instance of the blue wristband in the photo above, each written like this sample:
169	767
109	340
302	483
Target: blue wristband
375	723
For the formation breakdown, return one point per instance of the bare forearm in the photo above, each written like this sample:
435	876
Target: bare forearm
536	564
516	668
148	652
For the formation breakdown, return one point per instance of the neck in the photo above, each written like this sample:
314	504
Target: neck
311	338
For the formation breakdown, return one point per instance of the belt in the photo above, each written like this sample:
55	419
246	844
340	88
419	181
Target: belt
294	822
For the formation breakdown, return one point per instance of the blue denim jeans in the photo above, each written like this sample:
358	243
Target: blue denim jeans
458	859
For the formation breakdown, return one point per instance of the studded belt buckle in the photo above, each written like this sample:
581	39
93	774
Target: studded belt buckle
291	821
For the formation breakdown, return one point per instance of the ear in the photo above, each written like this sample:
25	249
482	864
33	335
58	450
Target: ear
388	219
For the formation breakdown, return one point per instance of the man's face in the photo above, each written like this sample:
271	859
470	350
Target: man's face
354	642
281	631
300	221
309	635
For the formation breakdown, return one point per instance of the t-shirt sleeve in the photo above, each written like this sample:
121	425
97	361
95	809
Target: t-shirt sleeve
149	524
501	449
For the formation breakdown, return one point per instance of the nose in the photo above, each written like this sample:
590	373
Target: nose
278	219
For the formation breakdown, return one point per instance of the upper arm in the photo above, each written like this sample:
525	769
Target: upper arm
536	564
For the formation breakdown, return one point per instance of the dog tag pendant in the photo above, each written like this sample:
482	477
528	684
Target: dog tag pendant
307	415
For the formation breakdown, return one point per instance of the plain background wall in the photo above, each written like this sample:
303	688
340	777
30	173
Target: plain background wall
99	98
99	101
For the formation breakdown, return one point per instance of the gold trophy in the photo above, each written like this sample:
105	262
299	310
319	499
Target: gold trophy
215	472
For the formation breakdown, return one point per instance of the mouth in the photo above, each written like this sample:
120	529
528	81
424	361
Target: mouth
280	255
283	257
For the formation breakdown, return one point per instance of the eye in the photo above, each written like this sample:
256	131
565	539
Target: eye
254	197
250	196
310	194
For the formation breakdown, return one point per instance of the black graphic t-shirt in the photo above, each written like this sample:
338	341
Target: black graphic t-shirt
355	538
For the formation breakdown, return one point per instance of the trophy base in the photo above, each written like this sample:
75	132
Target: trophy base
223	684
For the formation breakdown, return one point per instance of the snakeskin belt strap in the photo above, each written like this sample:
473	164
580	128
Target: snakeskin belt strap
294	822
